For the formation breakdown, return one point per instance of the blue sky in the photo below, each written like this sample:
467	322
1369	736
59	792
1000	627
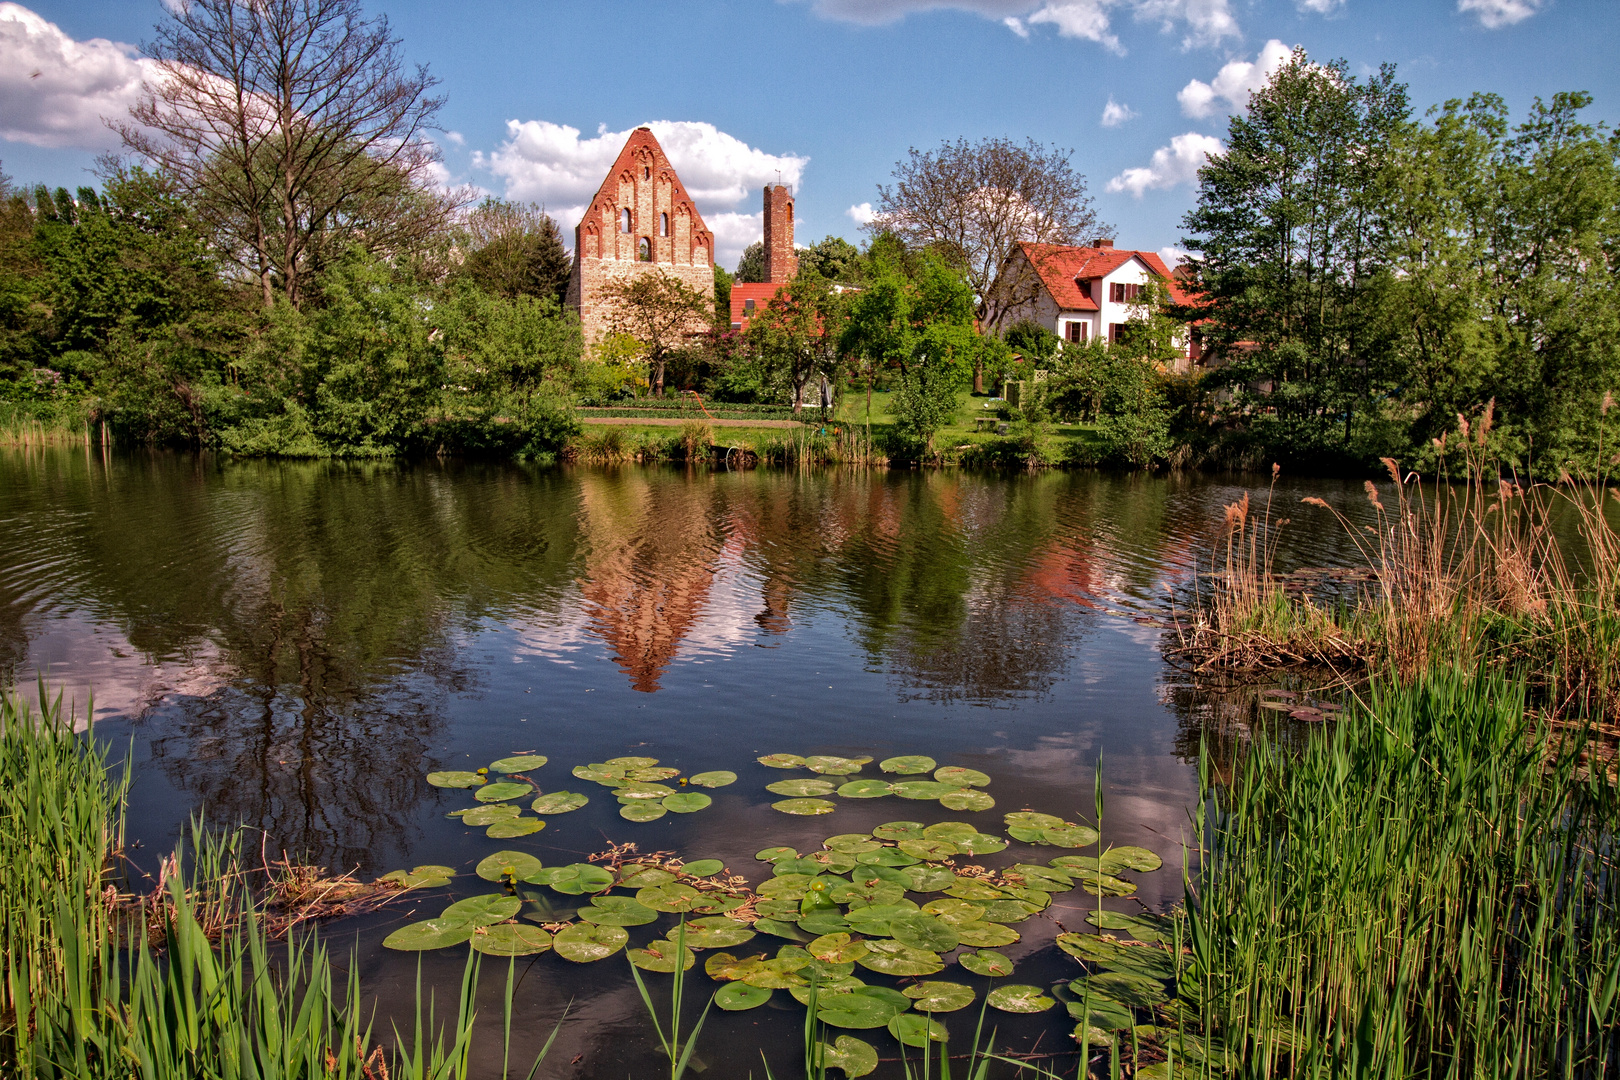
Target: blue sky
829	93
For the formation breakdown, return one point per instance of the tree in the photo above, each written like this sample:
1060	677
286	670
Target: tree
799	332
661	313
1292	231
294	129
516	249
751	267
833	258
722	296
975	202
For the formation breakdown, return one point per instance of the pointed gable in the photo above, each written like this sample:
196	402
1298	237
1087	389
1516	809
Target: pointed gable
1062	268
662	225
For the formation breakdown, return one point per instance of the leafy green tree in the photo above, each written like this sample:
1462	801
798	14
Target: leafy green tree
516	249
22	316
662	313
833	258
751	267
799	332
722	296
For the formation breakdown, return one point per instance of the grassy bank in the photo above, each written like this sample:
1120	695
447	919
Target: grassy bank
49	424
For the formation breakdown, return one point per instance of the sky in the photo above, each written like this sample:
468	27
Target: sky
826	95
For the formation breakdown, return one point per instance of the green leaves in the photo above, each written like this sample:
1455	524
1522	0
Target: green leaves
520	764
798	788
575	879
455	779
429	934
1017	998
642	810
739	996
661	955
558	802
482	910
914	1030
501	791
804	807
617	911
716	779
985	962
584	943
687	802
508	866
909	765
421	877
855	1057
897	958
511	939
782	761
938	997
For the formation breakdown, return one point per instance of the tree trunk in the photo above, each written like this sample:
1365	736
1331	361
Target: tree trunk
978	376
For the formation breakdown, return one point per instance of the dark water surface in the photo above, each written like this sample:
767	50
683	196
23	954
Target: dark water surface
293	646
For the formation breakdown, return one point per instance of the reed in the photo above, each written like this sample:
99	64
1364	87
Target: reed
1427	889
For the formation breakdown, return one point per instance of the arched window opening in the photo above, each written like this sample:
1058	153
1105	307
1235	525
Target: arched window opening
644	250
790	213
624	220
663	224
646	173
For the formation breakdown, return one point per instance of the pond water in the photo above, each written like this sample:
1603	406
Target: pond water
293	646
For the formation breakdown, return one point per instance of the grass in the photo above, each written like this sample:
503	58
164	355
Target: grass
44	425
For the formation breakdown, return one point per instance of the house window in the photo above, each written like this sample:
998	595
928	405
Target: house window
1085	288
1121	293
1075	332
748	305
1119	332
644	250
663	224
624	220
1195	345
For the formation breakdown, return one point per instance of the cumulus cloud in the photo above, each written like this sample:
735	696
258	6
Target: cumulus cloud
1234	83
1087	20
1175	164
1205	22
1174	256
1208	22
1115	114
1493	14
878	12
551	164
54	90
1319	7
862	214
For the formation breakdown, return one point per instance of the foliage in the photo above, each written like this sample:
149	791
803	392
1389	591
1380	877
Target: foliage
516	249
660	312
798	333
751	266
833	258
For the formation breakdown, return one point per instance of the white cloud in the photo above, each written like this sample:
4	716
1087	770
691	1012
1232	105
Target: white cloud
878	12
1115	114
1087	19
1234	83
455	138
1175	164
551	164
861	214
1319	7
1493	14
1206	22
1016	25
1174	256
54	91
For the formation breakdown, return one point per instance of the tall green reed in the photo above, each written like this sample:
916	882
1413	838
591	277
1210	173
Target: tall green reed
678	1053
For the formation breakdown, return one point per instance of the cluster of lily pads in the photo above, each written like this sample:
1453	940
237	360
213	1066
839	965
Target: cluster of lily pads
635	781
954	787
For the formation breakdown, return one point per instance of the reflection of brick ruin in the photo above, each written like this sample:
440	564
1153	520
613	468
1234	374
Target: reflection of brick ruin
641	221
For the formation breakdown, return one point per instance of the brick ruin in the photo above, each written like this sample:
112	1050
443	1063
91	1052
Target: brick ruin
641	222
780	261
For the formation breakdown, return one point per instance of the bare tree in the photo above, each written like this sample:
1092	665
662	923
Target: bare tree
296	130
661	313
977	202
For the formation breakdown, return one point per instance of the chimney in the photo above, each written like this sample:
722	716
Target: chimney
1104	243
780	261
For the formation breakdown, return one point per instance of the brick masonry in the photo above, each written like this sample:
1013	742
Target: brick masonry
780	261
641	222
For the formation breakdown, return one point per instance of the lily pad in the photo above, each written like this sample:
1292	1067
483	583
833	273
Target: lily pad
660	955
639	876
957	776
1153	929
1026	819
831	862
929	850
1129	858
609	777
1102	1013
584	942
981	844
1018	998
824	920
724	966
913	1029
866	892
519	764
973	889
617	911
482	910
1125	987
672	898
851	843
511	939
899	830
893	857
923	789
558	802
489	815
897	958
857	1009
908	765
1149	960
801	787
986	962
938	997
782	761
804	807
854	1056
873	920
837	948
714	779
1070	836
967	799
786	886
923	932
771	854
739	996
421	877
1046	878
1100	884
508	865
511	827
501	791
455	779
714	932
645	776
985	935
429	934
702	867
779	974
928	878
633	762
718	903
781	929
1009	911
576	879
687	802
865	789
832	766
642	810
636	790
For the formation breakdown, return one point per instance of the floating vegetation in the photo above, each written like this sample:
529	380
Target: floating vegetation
520	764
558	802
716	779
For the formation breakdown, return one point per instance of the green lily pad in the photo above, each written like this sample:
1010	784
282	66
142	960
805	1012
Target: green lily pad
973	889
1018	998
508	865
771	854
928	878
857	1009
929	850
791	867
957	776
865	789
804	807
873	920
779	974
1149	960
981	844
421	877
429	934
799	788
892	857
617	911
923	932
501	791
519	764
718	903
851	843
647	776
660	955
739	996
633	762
1102	1013
714	932
782	761
1070	836
831	862
837	948
687	802
1100	884
939	997
899	830
855	1057
584	942
1047	878
455	779
558	802
986	962
908	765
714	779
1008	911
702	867
482	910
832	766
519	826
636	790
1028	819
1125	987
640	876
897	958
723	966
488	815
967	799
866	892
826	986
642	810
913	1029
781	929
576	879
511	939
786	886
1140	859
985	935
825	920
608	777
1153	929
671	898
923	789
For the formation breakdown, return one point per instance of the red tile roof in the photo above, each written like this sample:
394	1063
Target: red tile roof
760	292
1062	268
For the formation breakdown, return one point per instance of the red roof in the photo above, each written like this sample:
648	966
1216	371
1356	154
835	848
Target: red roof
760	292
1062	268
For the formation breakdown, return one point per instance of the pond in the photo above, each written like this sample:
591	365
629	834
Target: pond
294	646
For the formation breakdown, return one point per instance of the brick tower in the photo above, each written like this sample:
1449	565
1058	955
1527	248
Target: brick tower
641	221
780	261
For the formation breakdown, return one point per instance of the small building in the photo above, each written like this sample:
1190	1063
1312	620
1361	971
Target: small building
781	262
